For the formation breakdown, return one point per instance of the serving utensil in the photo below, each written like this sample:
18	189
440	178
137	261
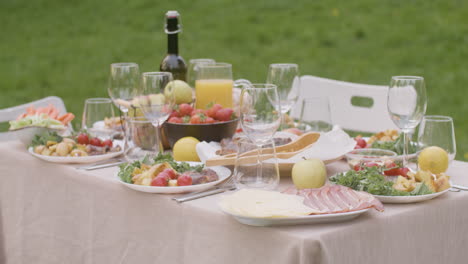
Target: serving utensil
227	185
283	152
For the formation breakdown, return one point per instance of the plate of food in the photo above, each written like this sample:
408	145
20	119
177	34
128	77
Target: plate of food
54	148
162	174
393	184
330	203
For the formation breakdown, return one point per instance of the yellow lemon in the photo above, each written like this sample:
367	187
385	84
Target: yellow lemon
184	149
433	159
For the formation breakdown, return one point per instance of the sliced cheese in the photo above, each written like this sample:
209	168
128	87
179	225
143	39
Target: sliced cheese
264	204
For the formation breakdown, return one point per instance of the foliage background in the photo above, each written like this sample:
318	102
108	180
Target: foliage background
64	48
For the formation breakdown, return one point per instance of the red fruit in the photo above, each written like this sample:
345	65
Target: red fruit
392	172
186	119
198	119
371	164
171	173
213	110
184	180
95	142
224	114
107	142
209	120
175	119
174	114
159	181
357	167
404	172
197	111
185	109
361	142
82	139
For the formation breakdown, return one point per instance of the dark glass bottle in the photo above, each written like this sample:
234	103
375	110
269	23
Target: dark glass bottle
173	62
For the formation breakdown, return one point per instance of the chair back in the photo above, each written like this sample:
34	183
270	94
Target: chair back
342	96
12	113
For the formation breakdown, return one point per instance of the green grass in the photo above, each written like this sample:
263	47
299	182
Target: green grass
64	48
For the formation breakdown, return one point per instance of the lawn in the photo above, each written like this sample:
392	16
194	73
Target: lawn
64	48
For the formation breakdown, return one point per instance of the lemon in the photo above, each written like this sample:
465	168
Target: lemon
433	159
184	149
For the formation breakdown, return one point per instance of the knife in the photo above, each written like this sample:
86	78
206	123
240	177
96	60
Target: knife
460	187
101	166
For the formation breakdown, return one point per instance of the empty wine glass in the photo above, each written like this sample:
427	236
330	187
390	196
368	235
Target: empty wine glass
247	167
96	110
193	69
124	80
406	103
286	78
155	101
436	130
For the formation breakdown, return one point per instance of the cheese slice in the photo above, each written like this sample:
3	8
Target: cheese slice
264	204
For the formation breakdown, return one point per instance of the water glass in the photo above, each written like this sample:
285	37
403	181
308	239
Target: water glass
436	130
96	110
286	78
193	69
141	137
315	115
124	80
252	172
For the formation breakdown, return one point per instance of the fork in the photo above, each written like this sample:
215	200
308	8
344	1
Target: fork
227	185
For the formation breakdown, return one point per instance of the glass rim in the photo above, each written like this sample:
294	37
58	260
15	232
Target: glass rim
216	65
438	118
260	86
156	74
283	65
201	60
407	77
124	64
98	100
316	98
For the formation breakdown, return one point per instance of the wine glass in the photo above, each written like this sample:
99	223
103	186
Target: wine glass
155	100
124	80
406	103
259	116
436	130
96	110
193	69
286	78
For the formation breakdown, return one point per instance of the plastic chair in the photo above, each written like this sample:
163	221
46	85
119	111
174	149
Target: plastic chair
12	113
344	113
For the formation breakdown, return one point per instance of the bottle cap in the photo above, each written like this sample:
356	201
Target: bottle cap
172	25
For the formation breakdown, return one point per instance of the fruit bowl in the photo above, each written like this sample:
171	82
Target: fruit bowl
203	132
368	156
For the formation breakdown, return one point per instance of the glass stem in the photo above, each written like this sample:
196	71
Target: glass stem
158	138
405	148
259	164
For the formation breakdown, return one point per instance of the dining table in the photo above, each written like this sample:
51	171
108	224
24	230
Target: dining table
55	213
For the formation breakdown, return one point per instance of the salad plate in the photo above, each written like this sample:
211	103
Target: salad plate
299	220
409	199
79	160
223	174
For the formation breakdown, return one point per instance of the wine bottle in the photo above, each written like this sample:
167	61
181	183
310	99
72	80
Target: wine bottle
173	62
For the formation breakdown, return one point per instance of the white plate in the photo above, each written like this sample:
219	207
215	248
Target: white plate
409	199
222	172
85	159
300	220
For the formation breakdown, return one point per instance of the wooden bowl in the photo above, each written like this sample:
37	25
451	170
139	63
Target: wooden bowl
203	132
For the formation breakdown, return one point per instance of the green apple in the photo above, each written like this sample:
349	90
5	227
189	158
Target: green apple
181	91
157	99
310	173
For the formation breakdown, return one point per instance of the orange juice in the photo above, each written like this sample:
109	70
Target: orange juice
216	91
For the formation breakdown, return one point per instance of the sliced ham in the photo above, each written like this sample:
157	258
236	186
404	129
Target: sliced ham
336	199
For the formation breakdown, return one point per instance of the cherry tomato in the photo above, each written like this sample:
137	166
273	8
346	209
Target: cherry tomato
357	167
404	172
175	119
95	142
184	180
224	114
107	142
185	109
392	172
171	173
159	181
213	110
361	142
83	139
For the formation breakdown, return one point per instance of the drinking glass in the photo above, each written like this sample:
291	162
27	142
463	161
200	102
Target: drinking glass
155	101
96	110
141	137
124	80
406	103
214	84
250	172
436	130
286	78
315	114
193	69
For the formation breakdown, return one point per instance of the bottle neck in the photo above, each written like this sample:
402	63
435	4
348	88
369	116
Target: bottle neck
172	44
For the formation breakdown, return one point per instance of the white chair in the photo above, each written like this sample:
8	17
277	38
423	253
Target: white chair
12	113
343	113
